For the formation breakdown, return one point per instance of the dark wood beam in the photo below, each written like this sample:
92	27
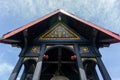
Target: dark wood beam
62	62
37	72
103	70
94	35
80	65
9	41
16	70
108	40
25	35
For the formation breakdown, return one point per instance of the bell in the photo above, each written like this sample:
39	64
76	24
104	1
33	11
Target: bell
73	57
45	57
57	76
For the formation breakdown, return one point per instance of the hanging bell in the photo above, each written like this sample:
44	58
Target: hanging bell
73	57
45	57
59	77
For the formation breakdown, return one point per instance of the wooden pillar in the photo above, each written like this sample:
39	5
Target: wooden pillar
101	66
16	70
103	69
23	75
80	65
38	68
95	74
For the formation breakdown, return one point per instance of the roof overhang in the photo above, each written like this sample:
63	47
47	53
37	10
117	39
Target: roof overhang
113	38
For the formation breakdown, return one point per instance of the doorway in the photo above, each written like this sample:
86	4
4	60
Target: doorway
59	62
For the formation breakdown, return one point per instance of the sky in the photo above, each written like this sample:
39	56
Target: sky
16	13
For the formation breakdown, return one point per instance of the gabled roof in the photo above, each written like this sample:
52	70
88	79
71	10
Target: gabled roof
83	27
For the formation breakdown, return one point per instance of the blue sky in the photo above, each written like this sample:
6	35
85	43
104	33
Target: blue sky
15	13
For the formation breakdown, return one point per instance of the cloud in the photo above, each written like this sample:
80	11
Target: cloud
5	69
117	78
18	78
102	12
113	72
8	59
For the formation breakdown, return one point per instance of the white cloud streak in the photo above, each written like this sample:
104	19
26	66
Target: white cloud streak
7	61
5	68
102	12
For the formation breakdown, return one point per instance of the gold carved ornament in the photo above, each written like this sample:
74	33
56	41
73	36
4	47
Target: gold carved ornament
59	32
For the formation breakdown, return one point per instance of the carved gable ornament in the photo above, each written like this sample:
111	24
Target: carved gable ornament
59	32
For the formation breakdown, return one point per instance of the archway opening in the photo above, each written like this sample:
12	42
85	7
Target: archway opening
29	68
90	69
59	62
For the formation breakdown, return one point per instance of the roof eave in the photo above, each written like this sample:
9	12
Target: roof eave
115	36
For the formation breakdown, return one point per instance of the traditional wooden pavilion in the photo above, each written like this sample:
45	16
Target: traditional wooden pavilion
60	46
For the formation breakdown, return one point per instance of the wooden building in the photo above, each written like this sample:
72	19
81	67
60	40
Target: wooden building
60	46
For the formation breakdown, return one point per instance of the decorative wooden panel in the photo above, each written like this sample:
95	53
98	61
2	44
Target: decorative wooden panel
30	58
93	59
59	32
35	49
84	50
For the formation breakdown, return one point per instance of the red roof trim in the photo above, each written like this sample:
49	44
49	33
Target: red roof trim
66	13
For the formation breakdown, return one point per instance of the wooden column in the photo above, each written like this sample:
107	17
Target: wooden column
80	65
101	66
95	74
16	70
38	68
103	69
23	75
